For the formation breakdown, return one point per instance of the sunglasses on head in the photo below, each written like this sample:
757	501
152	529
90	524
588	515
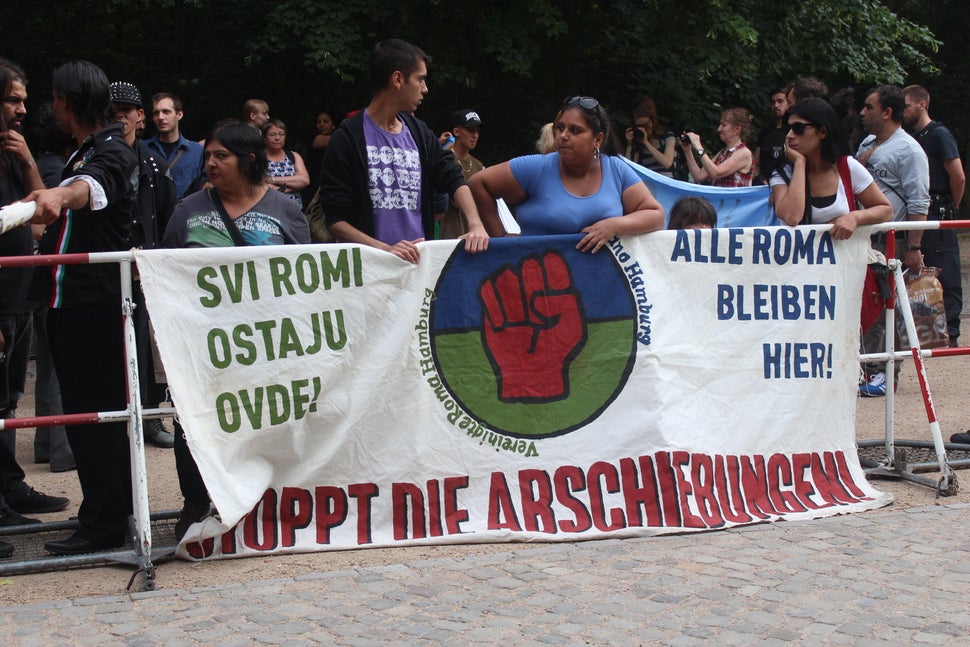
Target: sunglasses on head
798	127
586	103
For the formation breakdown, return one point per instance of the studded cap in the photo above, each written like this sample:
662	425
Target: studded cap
127	93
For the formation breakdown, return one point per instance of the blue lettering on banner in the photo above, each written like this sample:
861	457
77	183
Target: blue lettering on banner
799	360
634	274
769	246
762	302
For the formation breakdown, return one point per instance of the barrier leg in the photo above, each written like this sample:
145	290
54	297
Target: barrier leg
947	485
141	533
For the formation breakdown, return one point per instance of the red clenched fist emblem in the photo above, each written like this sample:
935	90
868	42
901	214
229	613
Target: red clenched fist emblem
533	327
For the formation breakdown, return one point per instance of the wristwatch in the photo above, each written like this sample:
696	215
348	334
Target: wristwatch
700	152
914	248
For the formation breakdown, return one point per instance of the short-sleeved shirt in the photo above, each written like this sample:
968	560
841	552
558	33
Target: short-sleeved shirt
550	209
940	147
274	220
394	182
832	209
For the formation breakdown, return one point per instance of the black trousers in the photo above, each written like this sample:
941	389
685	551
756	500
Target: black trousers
16	331
152	393
941	249
88	351
190	479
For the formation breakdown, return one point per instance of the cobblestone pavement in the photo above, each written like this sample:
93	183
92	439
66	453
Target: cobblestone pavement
895	576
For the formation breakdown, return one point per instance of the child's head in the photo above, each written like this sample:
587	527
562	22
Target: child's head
692	212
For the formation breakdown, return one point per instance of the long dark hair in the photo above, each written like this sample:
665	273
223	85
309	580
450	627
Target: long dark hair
10	72
820	112
834	145
84	86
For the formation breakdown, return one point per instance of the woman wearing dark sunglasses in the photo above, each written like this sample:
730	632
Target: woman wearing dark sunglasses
810	188
581	187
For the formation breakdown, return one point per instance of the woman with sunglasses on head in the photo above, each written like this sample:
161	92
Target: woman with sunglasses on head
581	187
810	188
734	164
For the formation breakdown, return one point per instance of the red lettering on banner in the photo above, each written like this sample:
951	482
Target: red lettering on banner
407	497
672	489
779	480
535	488
262	521
727	481
500	505
296	510
205	548
754	482
362	494
603	476
331	509
200	549
454	515
566	480
847	477
685	489
640	492
434	508
702	477
828	481
668	490
801	466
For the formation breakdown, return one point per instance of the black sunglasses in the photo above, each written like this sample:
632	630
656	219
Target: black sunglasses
798	127
586	103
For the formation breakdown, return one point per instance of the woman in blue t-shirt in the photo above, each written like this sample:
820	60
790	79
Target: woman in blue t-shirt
577	189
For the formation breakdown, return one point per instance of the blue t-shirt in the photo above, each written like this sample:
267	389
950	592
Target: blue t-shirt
550	209
394	181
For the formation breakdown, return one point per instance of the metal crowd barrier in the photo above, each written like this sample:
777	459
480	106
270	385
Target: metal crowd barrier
141	554
894	464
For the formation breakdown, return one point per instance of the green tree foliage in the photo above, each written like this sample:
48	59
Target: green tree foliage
513	60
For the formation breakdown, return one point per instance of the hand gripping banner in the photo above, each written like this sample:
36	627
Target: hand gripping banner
335	396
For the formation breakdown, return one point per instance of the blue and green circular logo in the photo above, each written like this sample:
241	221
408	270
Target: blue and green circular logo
533	338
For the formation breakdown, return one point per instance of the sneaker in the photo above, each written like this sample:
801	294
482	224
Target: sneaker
875	387
30	500
10	517
156	434
963	438
190	514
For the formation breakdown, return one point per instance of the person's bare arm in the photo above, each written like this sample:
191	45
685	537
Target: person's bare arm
476	239
489	185
958	179
52	202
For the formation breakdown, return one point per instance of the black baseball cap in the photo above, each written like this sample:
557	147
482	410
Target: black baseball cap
466	119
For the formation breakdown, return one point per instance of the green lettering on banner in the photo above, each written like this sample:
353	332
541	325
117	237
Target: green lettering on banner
218	344
202	278
280	403
227	410
309	272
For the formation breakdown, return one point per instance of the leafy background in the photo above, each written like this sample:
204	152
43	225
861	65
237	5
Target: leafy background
512	60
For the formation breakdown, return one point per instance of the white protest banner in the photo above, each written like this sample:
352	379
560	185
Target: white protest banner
335	396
